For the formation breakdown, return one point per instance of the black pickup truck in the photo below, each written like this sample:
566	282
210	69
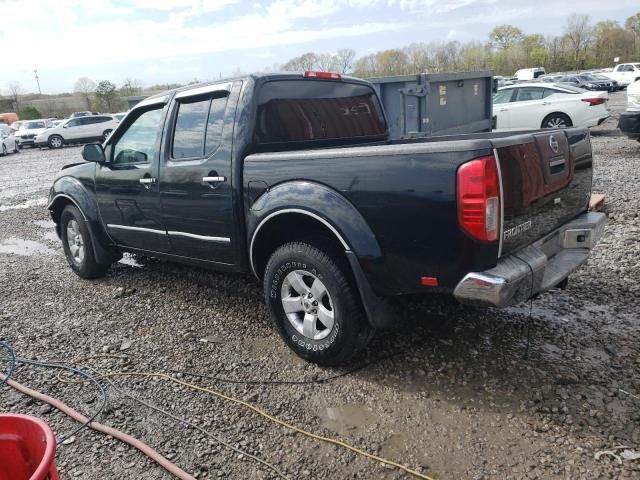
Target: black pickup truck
292	177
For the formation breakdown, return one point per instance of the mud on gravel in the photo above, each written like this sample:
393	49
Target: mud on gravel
467	394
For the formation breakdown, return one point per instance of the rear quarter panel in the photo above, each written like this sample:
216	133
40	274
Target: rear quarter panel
407	196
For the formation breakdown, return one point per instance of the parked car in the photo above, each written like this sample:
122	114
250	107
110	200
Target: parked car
29	130
629	122
542	105
292	177
625	73
7	141
77	130
552	78
529	73
586	82
83	114
119	116
615	86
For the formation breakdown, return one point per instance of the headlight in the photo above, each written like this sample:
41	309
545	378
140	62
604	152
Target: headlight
591	85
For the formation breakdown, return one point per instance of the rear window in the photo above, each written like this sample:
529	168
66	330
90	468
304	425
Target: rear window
315	110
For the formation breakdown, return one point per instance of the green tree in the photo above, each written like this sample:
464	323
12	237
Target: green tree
29	113
505	36
106	95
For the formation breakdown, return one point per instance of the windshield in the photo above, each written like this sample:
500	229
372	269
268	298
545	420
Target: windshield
32	125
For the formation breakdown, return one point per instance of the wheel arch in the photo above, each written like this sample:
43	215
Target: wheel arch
70	191
564	114
301	210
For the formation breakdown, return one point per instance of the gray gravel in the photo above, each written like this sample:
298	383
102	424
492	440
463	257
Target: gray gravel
463	400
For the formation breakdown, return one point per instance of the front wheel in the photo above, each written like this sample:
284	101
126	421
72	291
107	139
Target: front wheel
313	304
557	120
3	152
77	246
16	147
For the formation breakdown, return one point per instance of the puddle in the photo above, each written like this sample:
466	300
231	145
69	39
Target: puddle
127	259
45	223
347	417
19	246
38	202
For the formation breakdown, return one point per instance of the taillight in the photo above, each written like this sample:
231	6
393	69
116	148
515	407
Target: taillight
594	101
479	198
323	75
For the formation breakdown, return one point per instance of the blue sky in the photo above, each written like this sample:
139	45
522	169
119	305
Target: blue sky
160	41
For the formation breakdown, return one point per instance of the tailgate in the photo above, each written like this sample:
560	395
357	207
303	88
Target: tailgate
546	181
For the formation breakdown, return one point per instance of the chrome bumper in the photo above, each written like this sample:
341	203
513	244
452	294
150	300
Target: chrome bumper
535	268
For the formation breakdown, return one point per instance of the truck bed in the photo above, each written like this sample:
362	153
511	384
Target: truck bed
410	186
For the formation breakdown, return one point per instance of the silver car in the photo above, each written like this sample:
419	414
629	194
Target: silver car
7	141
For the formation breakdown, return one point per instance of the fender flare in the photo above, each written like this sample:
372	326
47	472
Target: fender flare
69	189
341	217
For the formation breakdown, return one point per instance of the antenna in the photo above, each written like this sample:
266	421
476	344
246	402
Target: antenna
35	72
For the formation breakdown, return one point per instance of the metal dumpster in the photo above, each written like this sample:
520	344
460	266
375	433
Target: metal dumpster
430	104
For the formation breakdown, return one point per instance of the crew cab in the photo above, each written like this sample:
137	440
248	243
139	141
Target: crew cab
624	73
292	177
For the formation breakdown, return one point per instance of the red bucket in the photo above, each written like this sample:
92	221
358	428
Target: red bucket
27	449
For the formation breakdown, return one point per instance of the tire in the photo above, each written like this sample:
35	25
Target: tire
78	249
312	282
16	147
3	152
105	135
55	141
557	120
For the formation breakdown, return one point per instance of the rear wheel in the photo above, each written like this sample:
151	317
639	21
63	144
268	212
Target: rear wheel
313	305
77	246
557	120
55	141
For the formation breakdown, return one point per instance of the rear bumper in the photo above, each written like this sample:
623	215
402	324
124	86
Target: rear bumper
629	124
535	268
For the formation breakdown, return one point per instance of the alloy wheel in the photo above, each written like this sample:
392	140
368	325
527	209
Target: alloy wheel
307	304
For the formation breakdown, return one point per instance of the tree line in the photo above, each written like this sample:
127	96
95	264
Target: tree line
582	45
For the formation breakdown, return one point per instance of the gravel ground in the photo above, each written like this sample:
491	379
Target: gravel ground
465	398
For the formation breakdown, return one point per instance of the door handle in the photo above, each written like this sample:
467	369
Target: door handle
546	103
147	180
214	179
502	109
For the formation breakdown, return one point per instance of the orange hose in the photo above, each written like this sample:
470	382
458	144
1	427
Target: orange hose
112	432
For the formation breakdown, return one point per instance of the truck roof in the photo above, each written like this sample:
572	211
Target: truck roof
259	77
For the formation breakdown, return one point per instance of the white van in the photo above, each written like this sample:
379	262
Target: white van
529	73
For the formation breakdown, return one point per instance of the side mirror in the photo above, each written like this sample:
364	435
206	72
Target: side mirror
495	85
65	125
93	152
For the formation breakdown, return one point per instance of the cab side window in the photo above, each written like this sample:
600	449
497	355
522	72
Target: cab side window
72	123
139	142
198	127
